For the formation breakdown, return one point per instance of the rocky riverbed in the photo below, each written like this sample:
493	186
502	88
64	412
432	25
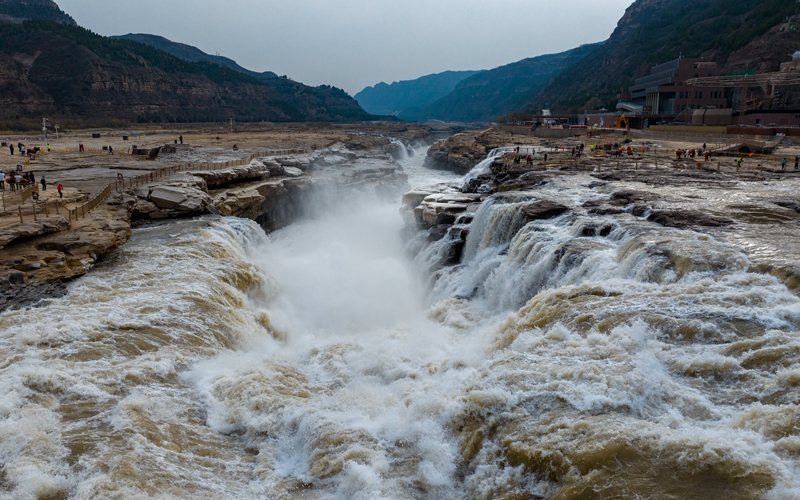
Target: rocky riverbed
39	258
755	207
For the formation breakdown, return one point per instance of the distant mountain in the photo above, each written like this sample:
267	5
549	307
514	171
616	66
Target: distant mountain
656	31
70	74
486	95
16	11
192	54
385	99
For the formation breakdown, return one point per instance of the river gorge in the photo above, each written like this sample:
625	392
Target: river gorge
559	333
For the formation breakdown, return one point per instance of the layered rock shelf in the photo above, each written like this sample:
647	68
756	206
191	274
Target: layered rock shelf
41	256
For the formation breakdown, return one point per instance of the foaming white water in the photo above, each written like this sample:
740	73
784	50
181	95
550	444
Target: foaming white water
206	360
403	151
89	406
484	166
353	399
418	175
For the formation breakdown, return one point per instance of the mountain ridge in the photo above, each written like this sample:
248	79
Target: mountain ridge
17	11
656	31
68	73
392	99
191	53
486	95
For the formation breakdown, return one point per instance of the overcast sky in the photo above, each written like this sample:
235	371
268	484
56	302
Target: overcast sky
355	43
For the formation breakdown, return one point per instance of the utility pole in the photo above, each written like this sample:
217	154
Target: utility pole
44	129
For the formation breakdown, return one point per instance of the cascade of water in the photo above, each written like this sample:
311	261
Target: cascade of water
207	360
496	222
484	166
403	151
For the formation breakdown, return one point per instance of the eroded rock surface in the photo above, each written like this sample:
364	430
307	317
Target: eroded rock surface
543	209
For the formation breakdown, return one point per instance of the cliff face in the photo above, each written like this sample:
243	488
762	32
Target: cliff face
656	31
83	79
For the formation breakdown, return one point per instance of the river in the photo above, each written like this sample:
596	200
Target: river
206	359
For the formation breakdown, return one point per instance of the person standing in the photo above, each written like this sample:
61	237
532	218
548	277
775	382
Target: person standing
797	162
181	138
31	179
60	189
783	164
11	147
43	182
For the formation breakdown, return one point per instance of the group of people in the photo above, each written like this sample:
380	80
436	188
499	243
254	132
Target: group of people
19	180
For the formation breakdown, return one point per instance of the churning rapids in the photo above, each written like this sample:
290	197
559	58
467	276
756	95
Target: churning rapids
206	359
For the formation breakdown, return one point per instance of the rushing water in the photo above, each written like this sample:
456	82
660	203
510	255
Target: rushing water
206	359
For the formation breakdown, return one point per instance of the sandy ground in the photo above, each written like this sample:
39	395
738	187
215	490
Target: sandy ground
84	175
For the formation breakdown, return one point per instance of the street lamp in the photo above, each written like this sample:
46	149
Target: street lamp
44	129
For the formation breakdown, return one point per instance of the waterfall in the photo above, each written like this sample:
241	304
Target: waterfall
205	359
404	152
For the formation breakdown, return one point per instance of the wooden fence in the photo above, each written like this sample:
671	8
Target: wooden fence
121	183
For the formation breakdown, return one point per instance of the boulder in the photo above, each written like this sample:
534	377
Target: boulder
572	253
413	199
543	209
591	230
255	171
629	196
292	171
435	214
167	196
179	199
275	169
687	218
143	207
605	211
11	277
791	205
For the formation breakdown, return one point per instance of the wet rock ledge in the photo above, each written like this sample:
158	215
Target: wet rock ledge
39	259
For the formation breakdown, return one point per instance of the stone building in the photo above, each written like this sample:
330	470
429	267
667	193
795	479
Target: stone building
663	91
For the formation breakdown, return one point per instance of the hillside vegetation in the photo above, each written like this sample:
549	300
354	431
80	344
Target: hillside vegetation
72	74
19	10
486	95
192	54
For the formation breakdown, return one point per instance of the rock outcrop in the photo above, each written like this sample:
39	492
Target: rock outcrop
443	208
49	225
255	171
181	196
543	209
687	218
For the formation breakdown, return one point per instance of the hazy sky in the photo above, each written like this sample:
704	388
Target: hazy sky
355	43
